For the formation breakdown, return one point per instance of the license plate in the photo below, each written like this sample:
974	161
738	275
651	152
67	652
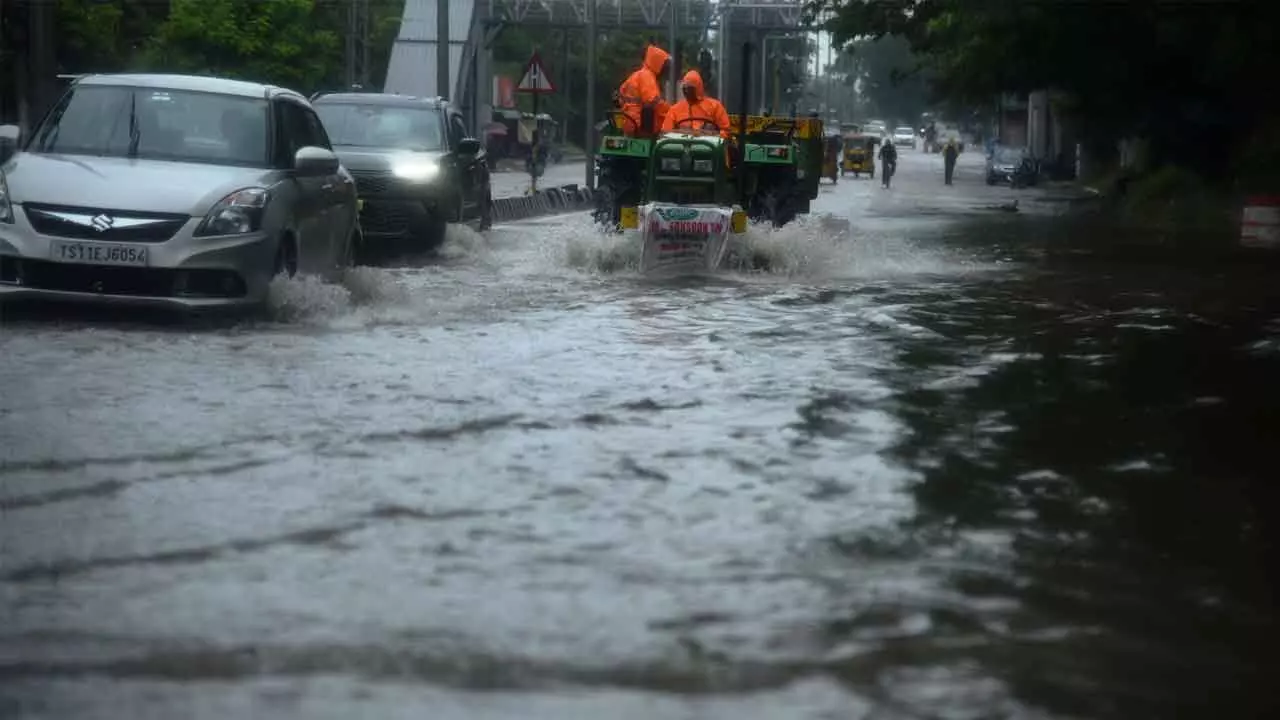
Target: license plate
100	253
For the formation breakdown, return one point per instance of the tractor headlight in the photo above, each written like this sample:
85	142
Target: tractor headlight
670	164
702	166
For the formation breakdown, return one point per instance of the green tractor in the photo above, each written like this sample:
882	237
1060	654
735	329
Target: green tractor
768	171
678	190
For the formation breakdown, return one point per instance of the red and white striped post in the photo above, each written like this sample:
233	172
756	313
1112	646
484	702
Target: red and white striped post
1260	222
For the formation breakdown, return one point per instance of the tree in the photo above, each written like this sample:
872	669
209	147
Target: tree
890	78
293	43
1174	72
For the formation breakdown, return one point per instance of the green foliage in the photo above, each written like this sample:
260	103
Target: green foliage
294	43
890	78
1175	72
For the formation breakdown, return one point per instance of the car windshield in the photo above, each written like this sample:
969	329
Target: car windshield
1008	155
156	124
375	126
905	131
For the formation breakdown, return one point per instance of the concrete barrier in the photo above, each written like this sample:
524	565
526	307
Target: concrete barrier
547	201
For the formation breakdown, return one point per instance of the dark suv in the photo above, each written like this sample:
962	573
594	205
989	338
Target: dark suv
416	167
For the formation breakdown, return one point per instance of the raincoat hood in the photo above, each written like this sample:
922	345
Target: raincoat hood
694	80
654	58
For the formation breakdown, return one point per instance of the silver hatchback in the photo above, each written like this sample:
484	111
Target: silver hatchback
171	190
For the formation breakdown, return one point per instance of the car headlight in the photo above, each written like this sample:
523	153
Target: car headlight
419	171
6	208
236	214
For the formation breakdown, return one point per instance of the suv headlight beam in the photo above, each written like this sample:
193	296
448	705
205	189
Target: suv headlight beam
422	171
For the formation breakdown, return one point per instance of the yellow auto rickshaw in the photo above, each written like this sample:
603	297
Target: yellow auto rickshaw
859	155
831	145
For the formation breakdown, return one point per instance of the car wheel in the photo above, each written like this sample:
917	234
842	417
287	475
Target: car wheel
486	210
354	251
286	262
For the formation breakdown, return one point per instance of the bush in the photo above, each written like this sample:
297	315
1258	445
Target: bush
1175	198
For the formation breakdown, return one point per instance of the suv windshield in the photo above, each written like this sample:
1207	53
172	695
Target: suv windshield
381	126
1008	155
156	124
905	131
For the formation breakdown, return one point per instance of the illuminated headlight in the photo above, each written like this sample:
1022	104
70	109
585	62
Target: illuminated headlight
615	143
416	171
702	166
236	214
671	164
6	208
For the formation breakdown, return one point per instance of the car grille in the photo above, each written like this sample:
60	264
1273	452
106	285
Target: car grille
373	183
385	218
126	226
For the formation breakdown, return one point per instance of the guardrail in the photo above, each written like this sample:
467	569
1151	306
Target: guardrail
547	201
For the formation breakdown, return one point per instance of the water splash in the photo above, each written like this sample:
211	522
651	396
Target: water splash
816	247
462	242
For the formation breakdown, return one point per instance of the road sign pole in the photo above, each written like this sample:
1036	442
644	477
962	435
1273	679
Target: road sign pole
535	81
537	136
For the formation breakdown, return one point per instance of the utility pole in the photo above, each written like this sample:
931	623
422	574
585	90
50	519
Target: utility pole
673	75
722	86
590	144
443	37
357	54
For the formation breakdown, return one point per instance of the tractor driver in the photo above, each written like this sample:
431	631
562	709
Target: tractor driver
695	110
640	95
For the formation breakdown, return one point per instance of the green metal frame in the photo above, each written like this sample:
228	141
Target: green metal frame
623	146
805	155
684	150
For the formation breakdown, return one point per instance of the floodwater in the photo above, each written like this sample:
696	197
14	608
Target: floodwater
933	464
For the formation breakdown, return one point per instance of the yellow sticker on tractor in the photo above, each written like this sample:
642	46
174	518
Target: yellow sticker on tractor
629	218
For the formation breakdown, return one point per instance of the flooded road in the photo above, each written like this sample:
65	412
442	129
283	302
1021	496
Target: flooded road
926	467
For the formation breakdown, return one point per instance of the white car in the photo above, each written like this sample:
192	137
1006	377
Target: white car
904	136
174	191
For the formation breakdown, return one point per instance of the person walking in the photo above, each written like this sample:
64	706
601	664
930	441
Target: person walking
888	162
949	155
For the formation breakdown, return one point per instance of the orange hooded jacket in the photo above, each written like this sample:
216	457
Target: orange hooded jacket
693	116
641	89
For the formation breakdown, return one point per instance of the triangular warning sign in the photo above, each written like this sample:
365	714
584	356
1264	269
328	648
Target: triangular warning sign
535	78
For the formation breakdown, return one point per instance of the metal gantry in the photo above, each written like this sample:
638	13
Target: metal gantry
648	14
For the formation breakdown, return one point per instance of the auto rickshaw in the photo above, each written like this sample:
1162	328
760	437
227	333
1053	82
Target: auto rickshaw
859	155
831	145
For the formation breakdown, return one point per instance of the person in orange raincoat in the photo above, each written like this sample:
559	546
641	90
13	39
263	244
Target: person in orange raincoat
640	95
695	109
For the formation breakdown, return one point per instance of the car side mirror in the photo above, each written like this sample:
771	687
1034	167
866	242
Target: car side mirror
313	161
9	137
469	146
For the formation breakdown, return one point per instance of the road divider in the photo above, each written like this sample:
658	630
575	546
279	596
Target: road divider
547	201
